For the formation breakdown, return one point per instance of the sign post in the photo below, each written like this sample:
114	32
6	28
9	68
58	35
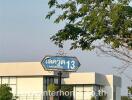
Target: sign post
61	64
59	83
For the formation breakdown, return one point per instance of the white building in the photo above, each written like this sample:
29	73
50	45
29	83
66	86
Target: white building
28	80
89	84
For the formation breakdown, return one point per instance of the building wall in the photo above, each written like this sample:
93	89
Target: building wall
109	87
30	88
85	92
26	88
11	81
113	87
80	78
23	69
109	91
110	84
82	92
118	93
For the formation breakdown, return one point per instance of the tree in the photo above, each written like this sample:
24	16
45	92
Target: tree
5	92
105	25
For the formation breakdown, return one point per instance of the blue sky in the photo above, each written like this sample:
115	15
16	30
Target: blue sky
25	33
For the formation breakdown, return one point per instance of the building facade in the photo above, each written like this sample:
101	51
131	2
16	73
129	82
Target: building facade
91	84
29	80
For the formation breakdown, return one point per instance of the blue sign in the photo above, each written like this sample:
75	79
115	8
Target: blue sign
64	63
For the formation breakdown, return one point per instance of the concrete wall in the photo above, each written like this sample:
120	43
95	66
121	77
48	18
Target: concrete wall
30	88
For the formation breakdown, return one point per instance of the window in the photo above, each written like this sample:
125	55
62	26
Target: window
46	82
0	80
12	80
5	80
51	80
13	87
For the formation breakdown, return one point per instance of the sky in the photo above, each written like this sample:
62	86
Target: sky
25	36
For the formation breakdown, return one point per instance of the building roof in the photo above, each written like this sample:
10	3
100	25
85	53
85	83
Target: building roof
23	69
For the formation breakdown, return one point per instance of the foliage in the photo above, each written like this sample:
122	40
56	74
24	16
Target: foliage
5	92
67	88
52	87
124	98
102	97
63	88
130	90
89	21
93	98
130	94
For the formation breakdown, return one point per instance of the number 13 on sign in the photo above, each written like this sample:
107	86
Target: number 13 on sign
71	64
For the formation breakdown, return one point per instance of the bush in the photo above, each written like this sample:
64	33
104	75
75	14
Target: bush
102	97
5	92
93	98
52	87
124	98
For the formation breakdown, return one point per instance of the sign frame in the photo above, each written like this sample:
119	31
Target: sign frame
59	69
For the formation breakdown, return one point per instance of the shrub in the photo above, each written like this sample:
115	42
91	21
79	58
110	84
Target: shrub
5	92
